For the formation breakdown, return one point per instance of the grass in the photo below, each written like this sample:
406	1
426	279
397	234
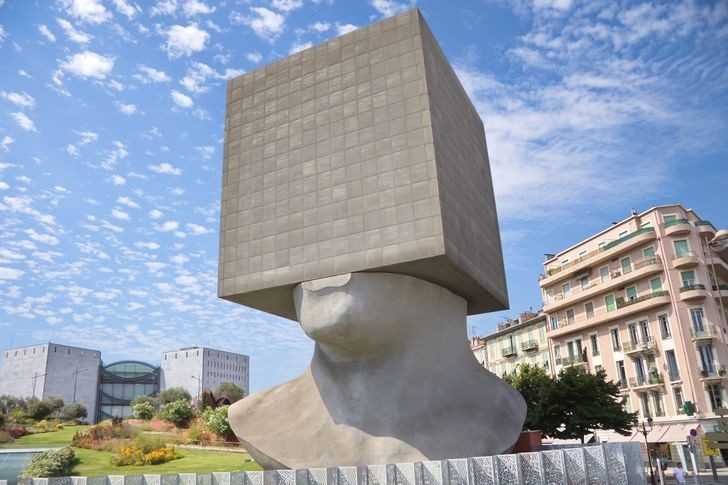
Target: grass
49	439
193	461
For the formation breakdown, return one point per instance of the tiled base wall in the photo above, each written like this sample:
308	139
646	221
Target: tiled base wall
609	463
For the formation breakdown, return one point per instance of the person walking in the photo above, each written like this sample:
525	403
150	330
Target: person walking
680	473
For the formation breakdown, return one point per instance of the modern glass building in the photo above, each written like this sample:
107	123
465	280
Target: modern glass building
120	382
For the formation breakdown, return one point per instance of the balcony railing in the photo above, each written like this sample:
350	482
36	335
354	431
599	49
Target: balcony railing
707	332
720	287
559	269
713	373
623	384
632	301
704	223
694	286
508	352
573	360
653	380
576	290
647	346
529	345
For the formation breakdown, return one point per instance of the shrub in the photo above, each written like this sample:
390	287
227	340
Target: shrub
145	450
229	390
10	403
74	410
59	427
42	424
17	415
51	463
177	412
140	398
216	420
16	430
6	437
55	404
38	409
143	410
148	443
102	436
196	432
174	394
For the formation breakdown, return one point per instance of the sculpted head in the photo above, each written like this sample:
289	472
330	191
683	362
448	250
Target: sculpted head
367	313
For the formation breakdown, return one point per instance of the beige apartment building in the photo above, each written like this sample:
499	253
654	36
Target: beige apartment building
514	342
644	300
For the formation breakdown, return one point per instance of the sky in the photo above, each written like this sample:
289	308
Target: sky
111	132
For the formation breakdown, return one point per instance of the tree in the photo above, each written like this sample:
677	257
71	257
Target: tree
531	381
173	394
9	403
38	409
177	412
74	410
216	420
229	390
55	404
578	402
143	410
141	398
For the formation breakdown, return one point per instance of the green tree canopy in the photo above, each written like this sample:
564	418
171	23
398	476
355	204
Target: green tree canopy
174	394
38	409
55	404
74	410
531	381
140	398
9	403
229	390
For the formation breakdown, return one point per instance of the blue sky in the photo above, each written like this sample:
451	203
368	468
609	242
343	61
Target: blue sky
111	122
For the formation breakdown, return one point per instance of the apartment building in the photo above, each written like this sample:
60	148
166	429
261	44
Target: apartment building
522	340
644	300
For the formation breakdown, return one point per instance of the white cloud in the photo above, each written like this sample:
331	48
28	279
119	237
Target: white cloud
342	29
155	214
195	7
10	273
185	41
320	26
206	151
127	202
3	34
46	33
41	238
299	46
154	267
147	245
22	99
164	7
91	11
117	180
73	34
120	214
389	7
24	122
254	57
125	9
265	23
165	167
127	109
286	5
168	226
5	143
179	259
196	76
198	230
181	99
554	4
151	75
88	64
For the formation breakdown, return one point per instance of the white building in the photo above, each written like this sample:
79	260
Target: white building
200	368
45	370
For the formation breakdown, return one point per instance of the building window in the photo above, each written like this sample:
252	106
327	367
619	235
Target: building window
626	265
646	405
630	293
604	274
621	374
570	316
696	315
716	396
610	303
664	326
656	284
594	344
657	401
681	248
616	344
669	217
566	290
706	360
584	281
557	354
649	253
687	277
597	368
679	401
672	365
589	309
549	296
554	322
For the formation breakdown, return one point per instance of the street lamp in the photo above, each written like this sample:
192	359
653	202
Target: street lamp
199	384
645	430
75	381
718	244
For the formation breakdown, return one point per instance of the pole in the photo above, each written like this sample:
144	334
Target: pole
696	473
649	460
35	378
712	468
660	473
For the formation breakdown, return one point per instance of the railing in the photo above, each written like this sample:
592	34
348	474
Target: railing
640	346
642	263
694	286
720	287
704	223
716	372
573	360
558	360
508	351
632	301
529	345
674	376
623	384
708	331
558	269
652	380
675	222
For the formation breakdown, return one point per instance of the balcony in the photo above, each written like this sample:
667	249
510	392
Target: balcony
622	310
639	269
573	360
529	345
705	227
608	251
646	383
677	227
508	352
708	332
686	259
720	291
648	346
715	373
693	292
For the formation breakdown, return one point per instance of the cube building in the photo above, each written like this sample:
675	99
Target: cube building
363	153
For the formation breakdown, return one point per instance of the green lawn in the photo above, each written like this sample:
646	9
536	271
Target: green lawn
49	439
193	461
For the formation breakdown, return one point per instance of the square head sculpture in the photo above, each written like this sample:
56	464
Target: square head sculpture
363	153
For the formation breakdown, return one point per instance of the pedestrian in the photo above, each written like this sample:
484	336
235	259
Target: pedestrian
680	473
